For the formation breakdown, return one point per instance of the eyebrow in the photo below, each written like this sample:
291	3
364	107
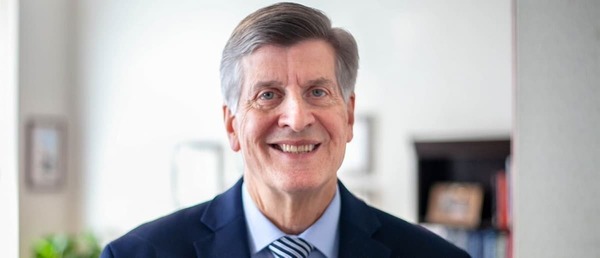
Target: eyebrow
266	84
320	82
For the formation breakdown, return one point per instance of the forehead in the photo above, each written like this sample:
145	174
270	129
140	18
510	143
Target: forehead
303	61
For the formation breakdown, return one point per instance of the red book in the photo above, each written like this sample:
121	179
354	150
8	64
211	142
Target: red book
501	201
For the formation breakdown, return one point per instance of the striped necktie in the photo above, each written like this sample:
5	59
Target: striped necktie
291	247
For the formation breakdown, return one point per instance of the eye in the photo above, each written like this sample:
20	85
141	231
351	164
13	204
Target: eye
267	95
318	92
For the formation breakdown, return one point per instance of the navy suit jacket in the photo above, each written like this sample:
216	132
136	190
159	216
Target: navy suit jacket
217	228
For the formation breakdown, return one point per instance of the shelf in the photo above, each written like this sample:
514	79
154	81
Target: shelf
463	161
477	165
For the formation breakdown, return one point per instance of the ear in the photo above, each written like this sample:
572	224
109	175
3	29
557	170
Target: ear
229	119
350	108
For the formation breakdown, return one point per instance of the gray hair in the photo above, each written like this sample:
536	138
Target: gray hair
285	24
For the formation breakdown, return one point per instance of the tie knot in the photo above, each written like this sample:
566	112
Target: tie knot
291	247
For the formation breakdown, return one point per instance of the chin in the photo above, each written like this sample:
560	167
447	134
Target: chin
302	183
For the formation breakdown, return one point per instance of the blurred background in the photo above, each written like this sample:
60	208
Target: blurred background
132	90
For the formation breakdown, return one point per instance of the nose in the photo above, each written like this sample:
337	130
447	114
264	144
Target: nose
296	113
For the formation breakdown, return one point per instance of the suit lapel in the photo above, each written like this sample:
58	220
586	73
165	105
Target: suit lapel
357	225
225	218
228	235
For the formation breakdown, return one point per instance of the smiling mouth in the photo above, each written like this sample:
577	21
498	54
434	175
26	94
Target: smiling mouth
295	149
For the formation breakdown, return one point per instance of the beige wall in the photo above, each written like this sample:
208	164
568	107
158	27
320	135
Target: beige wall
45	83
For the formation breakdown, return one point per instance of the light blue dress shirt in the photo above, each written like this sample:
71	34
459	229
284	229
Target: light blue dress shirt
323	234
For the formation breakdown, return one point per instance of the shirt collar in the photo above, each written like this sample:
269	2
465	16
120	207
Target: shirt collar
323	234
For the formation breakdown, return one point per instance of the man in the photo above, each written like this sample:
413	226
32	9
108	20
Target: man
288	81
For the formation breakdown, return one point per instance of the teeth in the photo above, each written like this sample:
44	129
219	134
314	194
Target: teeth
297	149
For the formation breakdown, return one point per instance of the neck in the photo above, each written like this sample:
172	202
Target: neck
292	212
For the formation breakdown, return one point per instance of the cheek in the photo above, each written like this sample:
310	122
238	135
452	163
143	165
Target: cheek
338	133
343	129
242	132
251	130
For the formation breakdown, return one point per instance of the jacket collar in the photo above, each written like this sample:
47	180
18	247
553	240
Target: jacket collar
357	226
224	216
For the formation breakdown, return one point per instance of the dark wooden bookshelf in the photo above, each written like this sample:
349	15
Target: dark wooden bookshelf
463	161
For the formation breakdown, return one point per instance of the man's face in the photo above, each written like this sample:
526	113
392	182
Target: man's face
292	123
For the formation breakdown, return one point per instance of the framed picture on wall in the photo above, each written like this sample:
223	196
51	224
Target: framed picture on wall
45	166
197	172
359	152
455	204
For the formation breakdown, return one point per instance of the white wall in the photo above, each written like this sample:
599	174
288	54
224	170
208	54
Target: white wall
149	78
557	124
137	77
433	69
9	220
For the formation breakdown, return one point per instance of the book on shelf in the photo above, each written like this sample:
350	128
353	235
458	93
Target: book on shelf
502	204
446	206
481	243
500	217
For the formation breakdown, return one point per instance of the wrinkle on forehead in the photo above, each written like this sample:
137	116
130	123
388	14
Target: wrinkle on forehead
307	64
303	53
320	82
